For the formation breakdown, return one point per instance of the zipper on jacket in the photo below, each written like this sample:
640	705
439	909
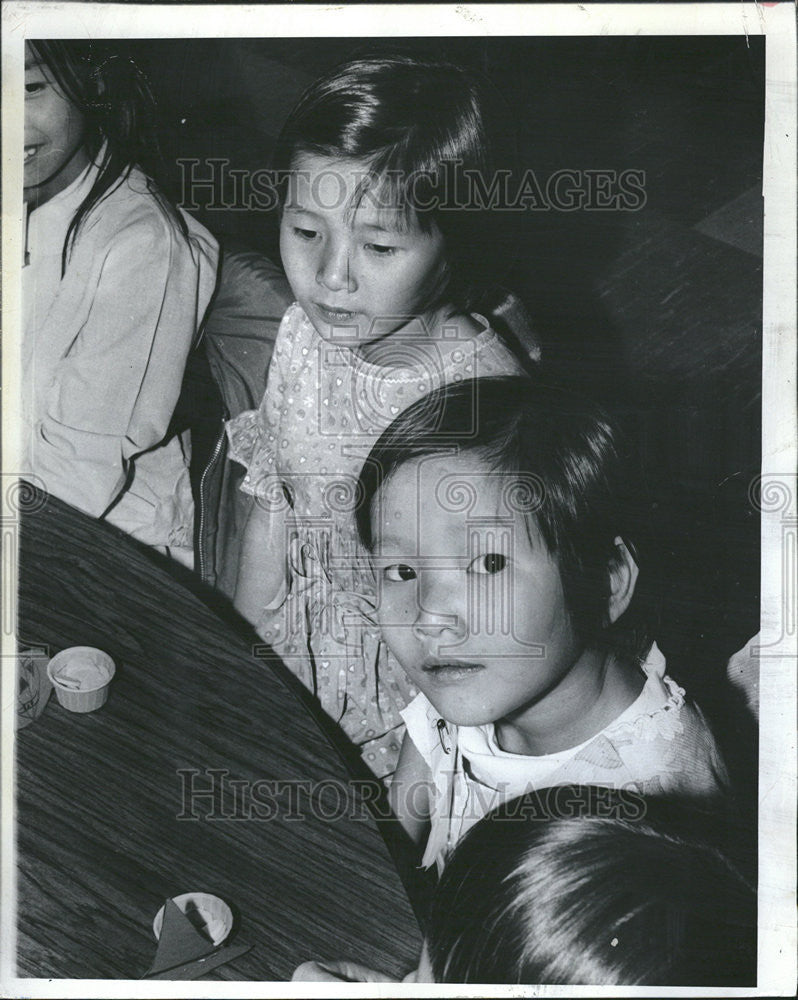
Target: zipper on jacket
202	511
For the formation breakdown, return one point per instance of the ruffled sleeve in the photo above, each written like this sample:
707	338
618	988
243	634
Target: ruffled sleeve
253	433
246	434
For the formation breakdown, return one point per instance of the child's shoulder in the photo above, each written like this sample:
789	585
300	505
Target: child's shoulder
133	210
460	326
131	205
474	349
295	318
465	326
665	722
659	692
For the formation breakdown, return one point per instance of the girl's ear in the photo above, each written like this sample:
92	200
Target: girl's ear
623	577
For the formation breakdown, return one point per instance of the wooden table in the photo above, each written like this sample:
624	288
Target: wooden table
107	827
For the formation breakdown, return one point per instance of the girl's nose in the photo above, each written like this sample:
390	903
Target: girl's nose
335	270
441	607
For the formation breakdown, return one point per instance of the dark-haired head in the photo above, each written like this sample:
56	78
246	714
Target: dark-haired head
593	886
430	137
113	102
572	483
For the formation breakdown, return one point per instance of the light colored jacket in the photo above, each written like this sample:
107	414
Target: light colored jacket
104	351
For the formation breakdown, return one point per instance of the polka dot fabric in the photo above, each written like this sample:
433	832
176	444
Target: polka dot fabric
323	409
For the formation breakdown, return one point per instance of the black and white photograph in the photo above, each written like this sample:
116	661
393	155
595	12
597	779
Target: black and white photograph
400	508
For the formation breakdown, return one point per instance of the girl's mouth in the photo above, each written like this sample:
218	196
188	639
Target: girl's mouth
335	315
445	671
30	152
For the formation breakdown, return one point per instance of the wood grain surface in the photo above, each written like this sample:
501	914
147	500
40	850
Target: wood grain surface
104	815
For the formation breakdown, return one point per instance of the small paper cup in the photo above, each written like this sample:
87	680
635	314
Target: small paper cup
209	914
97	670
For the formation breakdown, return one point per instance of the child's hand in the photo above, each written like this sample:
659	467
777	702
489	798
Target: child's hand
338	972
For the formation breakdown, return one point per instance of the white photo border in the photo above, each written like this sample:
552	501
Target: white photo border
777	786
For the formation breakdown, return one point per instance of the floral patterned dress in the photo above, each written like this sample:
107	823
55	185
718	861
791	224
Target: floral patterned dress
323	409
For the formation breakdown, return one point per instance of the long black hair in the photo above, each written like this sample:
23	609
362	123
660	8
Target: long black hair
118	109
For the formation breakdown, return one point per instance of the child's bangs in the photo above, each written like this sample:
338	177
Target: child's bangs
400	198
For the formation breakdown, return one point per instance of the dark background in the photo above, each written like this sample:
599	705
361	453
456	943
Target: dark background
657	311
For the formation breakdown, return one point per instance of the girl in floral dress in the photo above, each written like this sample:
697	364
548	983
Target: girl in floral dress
388	256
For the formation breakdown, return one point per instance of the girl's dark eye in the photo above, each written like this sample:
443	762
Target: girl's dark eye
34	88
399	573
380	249
305	234
491	562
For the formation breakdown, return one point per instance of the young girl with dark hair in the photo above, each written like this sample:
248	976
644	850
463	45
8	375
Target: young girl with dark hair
386	265
495	514
589	886
115	284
